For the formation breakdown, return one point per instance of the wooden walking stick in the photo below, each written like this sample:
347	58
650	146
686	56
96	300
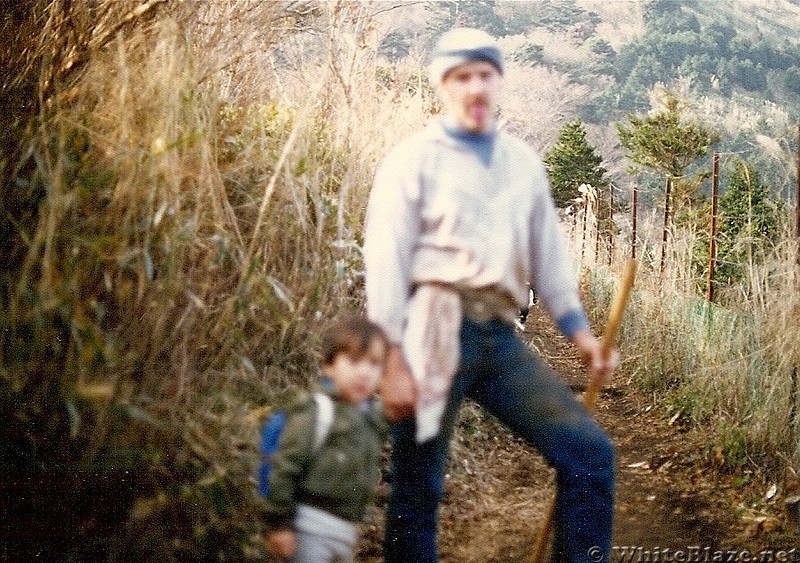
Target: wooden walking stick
592	391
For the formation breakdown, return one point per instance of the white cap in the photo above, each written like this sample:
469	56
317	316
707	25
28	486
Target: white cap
463	45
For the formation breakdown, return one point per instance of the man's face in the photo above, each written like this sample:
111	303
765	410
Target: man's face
470	92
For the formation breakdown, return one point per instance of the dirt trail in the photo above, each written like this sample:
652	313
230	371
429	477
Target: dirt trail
655	506
669	494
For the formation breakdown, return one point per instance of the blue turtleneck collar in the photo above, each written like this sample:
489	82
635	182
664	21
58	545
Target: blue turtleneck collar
482	144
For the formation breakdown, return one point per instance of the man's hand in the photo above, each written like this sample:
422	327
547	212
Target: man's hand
398	389
601	364
281	543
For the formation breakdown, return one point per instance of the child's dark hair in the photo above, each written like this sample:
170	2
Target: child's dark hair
350	335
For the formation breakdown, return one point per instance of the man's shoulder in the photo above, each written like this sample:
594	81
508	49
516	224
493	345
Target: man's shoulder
416	144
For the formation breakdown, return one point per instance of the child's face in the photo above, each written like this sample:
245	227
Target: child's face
357	379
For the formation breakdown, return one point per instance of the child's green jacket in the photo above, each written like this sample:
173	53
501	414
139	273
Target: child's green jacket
340	476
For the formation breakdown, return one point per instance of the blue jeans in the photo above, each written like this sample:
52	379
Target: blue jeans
502	374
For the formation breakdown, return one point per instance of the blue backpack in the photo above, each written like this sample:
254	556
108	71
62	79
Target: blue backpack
273	428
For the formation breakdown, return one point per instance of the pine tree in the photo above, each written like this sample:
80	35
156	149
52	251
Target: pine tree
571	162
663	141
750	222
667	144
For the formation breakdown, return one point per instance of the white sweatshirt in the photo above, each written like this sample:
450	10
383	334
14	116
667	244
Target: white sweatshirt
438	213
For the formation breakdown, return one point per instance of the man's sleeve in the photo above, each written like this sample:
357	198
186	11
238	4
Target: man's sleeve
391	232
553	269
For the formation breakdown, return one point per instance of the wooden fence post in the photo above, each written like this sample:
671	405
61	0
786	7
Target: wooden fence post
583	225
665	231
634	206
797	196
597	227
712	244
610	223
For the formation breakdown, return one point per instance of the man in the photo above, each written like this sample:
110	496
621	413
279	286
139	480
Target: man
460	220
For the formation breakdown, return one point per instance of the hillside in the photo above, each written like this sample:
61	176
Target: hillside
737	63
776	20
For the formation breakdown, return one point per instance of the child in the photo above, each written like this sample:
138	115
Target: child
318	496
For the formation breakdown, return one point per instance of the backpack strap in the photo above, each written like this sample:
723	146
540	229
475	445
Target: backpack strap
325	409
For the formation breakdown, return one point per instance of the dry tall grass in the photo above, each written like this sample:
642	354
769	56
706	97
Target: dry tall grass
730	366
190	197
